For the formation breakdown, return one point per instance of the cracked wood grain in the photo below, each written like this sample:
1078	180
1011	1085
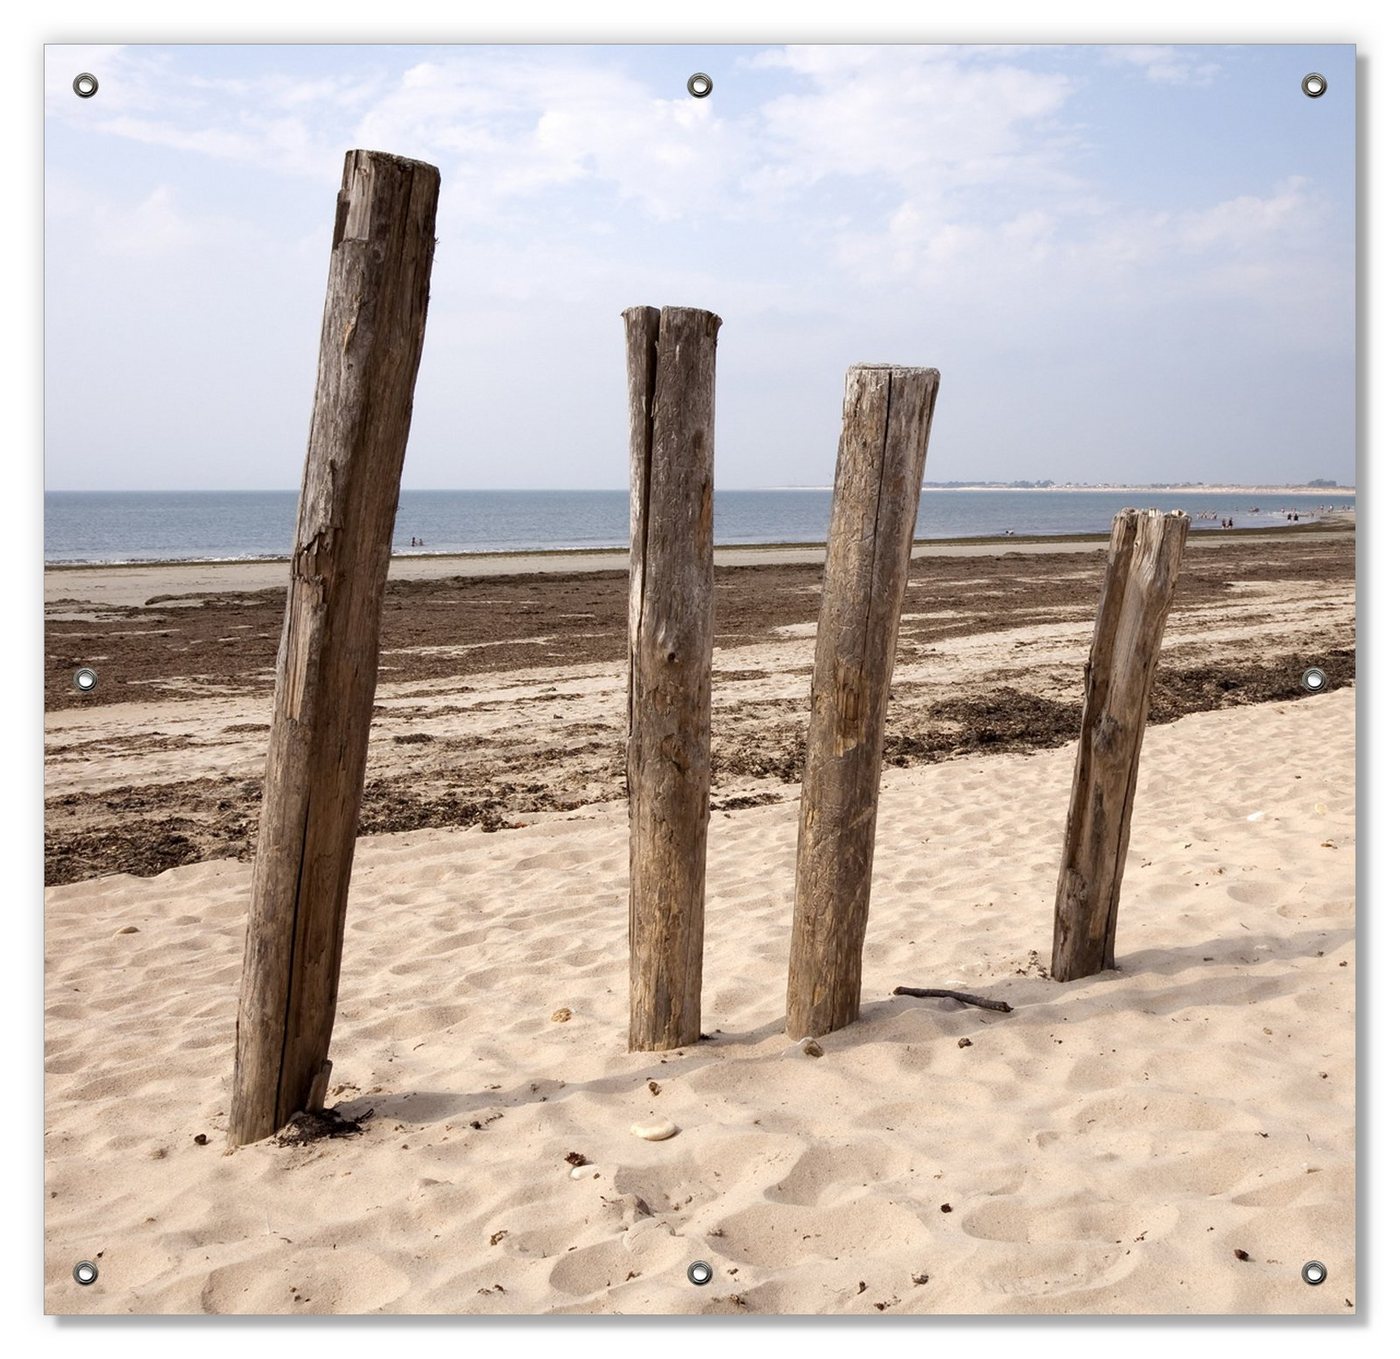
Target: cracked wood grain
671	395
1144	560
371	342
879	471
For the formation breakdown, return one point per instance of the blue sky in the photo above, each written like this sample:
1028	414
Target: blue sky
1130	263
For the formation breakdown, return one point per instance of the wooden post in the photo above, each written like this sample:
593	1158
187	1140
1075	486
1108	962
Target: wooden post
671	393
371	341
1144	559
879	472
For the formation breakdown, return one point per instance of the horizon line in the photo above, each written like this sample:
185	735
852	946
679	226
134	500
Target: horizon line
1019	484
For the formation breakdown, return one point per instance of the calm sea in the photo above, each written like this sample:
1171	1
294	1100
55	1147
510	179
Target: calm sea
139	526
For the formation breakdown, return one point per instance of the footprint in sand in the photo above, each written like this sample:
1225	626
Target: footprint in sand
1027	1222
311	1281
780	1235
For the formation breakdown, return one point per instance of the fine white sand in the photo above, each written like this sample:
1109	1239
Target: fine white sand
1107	1147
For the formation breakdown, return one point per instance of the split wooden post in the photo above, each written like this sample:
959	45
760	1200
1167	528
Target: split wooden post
1144	559
879	472
671	394
371	342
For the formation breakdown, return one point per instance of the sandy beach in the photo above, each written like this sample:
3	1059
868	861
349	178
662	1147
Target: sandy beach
128	585
702	677
1173	1137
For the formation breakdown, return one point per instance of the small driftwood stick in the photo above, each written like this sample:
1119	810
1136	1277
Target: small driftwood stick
925	992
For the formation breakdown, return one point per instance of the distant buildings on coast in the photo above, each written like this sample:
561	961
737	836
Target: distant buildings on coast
1318	484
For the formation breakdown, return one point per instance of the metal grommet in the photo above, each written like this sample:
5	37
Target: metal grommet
85	85
700	84
1314	680
85	679
699	1272
1314	85
85	1272
1314	1272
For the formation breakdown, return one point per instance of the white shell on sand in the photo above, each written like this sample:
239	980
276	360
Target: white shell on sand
655	1132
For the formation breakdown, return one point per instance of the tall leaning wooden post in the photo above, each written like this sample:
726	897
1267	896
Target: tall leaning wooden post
879	472
371	341
1144	559
671	395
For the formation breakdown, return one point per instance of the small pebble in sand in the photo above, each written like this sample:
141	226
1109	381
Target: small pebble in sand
655	1132
201	1139
128	929
562	1015
653	1087
964	1042
498	1237
576	1158
945	1207
919	1278
1241	1254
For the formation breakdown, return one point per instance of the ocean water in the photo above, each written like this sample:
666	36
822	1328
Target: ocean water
140	526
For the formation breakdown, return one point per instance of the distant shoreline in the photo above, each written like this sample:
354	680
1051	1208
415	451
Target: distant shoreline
137	583
1338	519
1184	489
1319	491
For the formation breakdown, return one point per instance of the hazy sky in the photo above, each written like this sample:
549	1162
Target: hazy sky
1130	263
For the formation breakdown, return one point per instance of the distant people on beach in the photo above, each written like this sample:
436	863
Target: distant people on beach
415	542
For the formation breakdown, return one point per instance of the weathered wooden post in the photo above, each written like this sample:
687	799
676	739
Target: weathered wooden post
1144	559
879	471
371	341
671	394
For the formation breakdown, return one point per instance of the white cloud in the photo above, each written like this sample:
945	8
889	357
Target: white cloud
1241	223
950	205
522	125
146	95
514	124
915	116
153	226
1165	65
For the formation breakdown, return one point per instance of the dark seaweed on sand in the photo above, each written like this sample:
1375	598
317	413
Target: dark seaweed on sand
447	780
305	1128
